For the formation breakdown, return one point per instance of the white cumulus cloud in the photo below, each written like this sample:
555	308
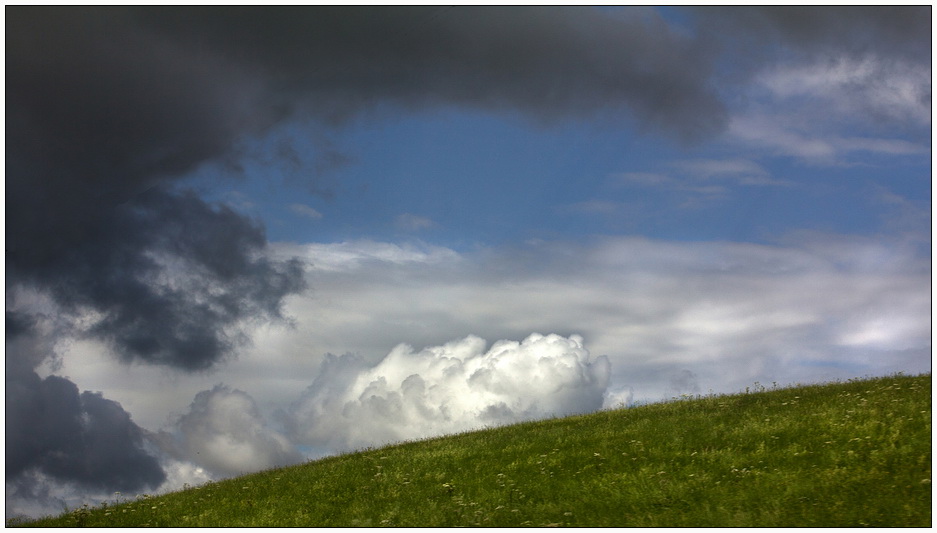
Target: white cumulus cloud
446	389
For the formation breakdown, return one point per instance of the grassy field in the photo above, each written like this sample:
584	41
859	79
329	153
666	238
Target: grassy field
843	454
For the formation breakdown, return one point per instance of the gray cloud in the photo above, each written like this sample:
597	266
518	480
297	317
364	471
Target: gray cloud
544	62
854	30
684	382
224	432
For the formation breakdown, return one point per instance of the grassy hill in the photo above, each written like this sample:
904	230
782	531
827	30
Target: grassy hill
843	454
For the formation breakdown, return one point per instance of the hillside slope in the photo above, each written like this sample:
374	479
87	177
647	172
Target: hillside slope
842	454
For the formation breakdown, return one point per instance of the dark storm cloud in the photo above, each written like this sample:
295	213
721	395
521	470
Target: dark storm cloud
102	116
544	62
216	278
82	438
53	430
904	30
170	277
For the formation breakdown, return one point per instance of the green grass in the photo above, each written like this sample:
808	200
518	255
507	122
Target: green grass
843	454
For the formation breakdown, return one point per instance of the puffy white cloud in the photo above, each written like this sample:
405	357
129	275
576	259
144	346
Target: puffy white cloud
450	388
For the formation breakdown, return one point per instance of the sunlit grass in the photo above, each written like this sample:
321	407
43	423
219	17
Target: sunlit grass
843	454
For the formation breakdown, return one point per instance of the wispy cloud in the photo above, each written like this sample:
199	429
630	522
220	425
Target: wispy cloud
341	256
705	176
411	222
851	89
801	109
728	171
305	211
778	136
697	183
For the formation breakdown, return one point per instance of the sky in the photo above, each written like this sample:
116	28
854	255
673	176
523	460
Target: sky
240	238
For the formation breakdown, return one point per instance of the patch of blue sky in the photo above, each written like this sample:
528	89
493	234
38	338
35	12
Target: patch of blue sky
465	177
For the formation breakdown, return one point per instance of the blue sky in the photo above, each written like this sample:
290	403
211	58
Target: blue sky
246	238
465	178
